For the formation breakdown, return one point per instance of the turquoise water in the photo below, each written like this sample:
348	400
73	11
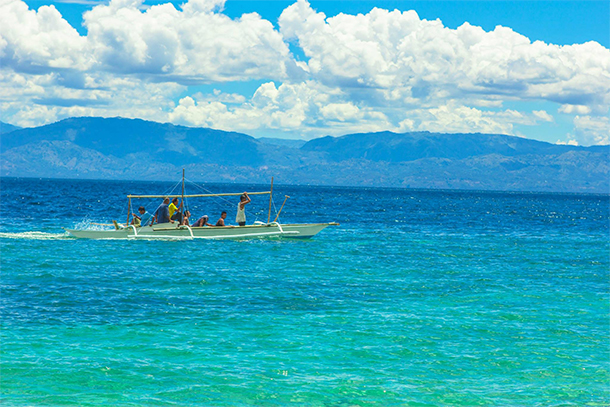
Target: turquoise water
419	298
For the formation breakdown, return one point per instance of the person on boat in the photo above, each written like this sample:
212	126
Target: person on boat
202	221
185	218
173	207
221	221
241	211
142	219
177	216
162	213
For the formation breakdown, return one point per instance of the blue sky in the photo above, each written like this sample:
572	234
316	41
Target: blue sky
556	22
299	69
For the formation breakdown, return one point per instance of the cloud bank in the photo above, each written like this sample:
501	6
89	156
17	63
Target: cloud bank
384	70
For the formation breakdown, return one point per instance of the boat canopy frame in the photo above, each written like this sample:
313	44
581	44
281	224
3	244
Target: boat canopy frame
182	196
197	195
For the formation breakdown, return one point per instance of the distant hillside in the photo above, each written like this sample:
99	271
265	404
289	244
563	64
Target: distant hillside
282	142
7	128
394	147
118	148
144	140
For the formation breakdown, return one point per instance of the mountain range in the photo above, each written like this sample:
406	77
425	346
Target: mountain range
118	148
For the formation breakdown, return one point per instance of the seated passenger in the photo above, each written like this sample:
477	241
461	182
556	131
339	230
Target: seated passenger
162	213
186	217
173	207
221	221
202	221
177	216
141	219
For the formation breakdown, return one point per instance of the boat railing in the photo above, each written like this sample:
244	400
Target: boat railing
190	231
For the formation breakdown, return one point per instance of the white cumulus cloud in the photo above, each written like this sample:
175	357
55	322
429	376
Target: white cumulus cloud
341	112
189	45
302	109
33	41
591	130
382	70
195	44
543	115
424	60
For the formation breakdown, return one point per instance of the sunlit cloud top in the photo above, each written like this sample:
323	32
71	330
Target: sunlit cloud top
316	75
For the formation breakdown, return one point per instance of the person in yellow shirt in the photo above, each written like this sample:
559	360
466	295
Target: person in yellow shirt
173	207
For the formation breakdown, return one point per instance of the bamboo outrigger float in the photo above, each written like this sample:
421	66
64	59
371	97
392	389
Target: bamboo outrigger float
176	231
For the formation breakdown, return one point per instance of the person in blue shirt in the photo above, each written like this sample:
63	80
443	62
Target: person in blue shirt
162	213
143	218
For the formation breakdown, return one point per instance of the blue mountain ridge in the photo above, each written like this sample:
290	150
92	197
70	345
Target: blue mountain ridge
397	147
164	142
119	148
7	128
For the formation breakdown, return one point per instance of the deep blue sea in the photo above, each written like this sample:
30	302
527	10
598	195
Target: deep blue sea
418	298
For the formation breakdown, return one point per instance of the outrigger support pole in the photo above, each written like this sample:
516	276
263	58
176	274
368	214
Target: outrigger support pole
282	207
270	198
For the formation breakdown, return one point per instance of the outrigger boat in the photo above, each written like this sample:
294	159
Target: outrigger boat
175	231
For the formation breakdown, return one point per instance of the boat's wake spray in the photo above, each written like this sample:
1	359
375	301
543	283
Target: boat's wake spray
35	236
87	224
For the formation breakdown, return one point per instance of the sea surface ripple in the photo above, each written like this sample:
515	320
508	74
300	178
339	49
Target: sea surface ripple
418	298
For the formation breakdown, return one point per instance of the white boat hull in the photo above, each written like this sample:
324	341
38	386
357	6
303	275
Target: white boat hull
169	231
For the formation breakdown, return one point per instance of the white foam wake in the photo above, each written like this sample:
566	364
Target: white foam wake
86	224
34	235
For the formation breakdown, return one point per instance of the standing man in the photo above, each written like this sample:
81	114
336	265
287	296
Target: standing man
241	211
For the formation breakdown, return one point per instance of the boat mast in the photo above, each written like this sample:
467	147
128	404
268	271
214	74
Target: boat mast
181	203
270	198
128	212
